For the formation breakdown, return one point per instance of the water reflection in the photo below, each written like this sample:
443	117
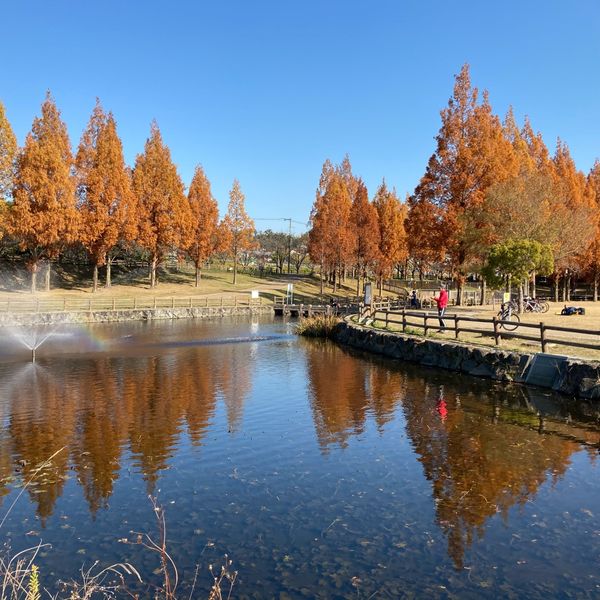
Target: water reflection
96	409
345	391
346	452
478	465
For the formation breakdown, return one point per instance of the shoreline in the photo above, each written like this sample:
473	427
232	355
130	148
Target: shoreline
566	375
140	314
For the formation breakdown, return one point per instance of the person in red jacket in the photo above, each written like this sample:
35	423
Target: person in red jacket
442	302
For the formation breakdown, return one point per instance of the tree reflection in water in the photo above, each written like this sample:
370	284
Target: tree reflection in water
483	449
140	404
477	449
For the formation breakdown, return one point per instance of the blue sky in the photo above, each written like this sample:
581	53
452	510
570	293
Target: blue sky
265	91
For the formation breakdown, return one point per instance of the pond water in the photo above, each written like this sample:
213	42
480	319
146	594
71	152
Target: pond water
320	471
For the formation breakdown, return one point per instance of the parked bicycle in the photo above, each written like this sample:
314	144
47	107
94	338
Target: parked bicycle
535	305
508	316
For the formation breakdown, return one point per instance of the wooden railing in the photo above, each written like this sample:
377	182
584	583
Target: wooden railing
133	303
457	324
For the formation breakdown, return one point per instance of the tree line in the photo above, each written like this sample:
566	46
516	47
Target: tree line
52	198
493	202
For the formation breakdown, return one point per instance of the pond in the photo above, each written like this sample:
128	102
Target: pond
321	472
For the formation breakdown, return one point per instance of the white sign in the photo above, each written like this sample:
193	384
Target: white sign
368	294
254	294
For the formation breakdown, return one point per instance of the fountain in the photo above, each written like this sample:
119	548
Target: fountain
33	339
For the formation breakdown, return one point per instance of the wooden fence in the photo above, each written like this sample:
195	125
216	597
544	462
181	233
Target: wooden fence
31	305
457	324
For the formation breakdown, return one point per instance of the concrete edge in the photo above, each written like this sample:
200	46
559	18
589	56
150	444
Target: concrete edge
578	378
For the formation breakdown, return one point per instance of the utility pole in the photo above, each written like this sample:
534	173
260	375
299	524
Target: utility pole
289	243
289	221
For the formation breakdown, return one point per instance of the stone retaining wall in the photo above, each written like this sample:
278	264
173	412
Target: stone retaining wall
140	314
574	377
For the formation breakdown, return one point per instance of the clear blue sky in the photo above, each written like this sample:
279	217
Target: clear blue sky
265	91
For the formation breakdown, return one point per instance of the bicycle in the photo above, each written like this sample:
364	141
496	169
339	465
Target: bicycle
535	305
509	320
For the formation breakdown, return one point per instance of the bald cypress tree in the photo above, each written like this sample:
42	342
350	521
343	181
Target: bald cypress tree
104	192
164	208
44	216
239	227
8	154
204	239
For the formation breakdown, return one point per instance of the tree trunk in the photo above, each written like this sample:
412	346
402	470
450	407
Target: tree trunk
108	272
483	291
564	290
153	272
48	269
556	283
568	292
198	275
521	294
95	278
533	291
459	291
321	277
596	287
34	270
235	261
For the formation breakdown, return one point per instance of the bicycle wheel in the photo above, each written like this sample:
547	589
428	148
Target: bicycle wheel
514	321
545	307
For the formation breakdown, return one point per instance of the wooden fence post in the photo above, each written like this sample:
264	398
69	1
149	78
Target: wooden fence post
135	302
496	334
154	302
403	320
190	302
221	301
456	329
37	305
387	318
113	304
172	301
543	336
425	323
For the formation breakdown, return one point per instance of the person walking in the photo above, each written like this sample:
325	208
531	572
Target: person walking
441	301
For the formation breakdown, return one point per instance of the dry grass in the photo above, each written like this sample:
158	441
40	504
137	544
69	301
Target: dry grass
317	326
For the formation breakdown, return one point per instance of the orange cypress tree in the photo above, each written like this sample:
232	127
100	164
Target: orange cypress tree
577	200
318	219
44	216
238	226
365	224
106	201
8	155
204	239
393	246
472	154
591	258
164	208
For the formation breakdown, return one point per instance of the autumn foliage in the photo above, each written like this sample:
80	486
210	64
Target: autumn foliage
238	228
44	217
165	216
490	182
107	205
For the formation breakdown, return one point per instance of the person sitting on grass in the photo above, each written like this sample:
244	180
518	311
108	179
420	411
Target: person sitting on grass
442	302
